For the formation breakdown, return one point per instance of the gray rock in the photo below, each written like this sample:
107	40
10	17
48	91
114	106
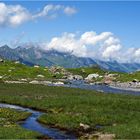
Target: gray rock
91	76
36	66
58	83
84	126
40	76
1	60
34	82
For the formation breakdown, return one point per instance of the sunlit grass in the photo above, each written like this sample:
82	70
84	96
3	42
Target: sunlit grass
67	108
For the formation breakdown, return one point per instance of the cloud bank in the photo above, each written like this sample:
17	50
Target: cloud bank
14	15
104	46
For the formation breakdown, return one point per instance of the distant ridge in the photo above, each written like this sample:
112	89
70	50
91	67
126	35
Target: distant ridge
33	55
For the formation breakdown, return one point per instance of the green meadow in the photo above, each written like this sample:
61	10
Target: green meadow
9	129
66	108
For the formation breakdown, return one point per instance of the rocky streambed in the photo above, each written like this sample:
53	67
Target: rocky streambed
114	87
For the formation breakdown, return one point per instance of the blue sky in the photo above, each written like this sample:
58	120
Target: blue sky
120	18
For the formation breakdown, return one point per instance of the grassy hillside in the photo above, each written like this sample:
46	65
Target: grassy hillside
14	71
67	108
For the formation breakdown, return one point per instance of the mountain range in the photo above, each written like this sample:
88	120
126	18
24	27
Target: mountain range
36	56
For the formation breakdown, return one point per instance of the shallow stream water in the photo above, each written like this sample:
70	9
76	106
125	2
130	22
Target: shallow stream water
31	123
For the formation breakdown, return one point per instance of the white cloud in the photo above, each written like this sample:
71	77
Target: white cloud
104	46
111	40
14	15
84	45
48	10
52	10
67	43
137	53
91	38
70	10
111	51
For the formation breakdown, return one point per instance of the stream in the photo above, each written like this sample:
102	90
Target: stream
100	88
31	123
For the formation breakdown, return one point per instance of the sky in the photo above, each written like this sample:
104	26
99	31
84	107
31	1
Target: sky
105	30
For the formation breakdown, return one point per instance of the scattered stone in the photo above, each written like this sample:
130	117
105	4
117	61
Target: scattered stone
24	80
1	60
108	79
40	82
34	82
127	85
58	70
98	136
58	83
14	82
74	77
84	126
40	76
106	136
36	66
91	76
17	62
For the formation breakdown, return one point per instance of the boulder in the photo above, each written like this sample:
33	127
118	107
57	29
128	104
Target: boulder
84	126
1	77
91	76
1	60
17	62
34	82
58	83
36	66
